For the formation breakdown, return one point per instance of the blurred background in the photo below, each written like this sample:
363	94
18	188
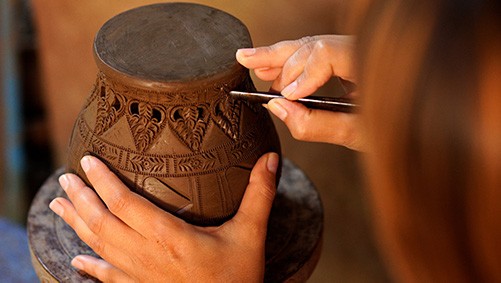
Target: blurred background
47	70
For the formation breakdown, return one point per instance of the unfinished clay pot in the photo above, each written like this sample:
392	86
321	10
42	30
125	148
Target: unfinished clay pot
160	115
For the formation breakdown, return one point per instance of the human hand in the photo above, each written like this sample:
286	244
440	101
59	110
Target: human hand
140	242
298	68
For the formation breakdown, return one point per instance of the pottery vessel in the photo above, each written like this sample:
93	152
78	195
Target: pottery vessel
160	115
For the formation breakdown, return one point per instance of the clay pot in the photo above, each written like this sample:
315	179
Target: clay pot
160	115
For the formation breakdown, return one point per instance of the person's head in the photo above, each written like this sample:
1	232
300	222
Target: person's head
430	77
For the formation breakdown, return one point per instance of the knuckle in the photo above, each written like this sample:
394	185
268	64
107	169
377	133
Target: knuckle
306	50
104	272
162	237
305	40
159	234
303	126
118	202
269	49
299	131
140	259
321	47
278	47
95	222
174	252
268	192
97	246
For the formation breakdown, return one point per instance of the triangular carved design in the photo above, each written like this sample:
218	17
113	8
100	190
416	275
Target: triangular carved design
226	114
110	108
146	122
171	199
189	123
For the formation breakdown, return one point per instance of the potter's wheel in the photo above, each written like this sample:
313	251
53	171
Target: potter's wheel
292	246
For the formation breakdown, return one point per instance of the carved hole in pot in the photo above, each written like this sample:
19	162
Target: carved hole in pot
217	109
134	108
201	113
116	104
176	115
103	91
156	115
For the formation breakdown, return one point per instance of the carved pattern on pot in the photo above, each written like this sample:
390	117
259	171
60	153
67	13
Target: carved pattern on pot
203	162
190	123
239	150
248	85
110	107
148	164
102	149
145	121
172	165
226	114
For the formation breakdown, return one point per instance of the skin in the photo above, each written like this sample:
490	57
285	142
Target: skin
140	242
297	69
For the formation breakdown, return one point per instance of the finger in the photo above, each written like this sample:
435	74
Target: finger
273	56
267	74
258	198
100	269
96	216
300	62
117	251
319	125
326	58
293	67
130	207
65	209
313	67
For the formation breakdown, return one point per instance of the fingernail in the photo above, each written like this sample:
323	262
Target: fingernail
55	206
64	181
277	108
272	162
77	263
265	105
247	51
85	163
290	89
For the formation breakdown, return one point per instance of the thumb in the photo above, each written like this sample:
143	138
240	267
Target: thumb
258	198
319	125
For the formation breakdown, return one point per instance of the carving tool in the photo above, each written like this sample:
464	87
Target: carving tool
335	104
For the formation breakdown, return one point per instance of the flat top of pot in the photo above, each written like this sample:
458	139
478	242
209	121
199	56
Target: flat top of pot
171	42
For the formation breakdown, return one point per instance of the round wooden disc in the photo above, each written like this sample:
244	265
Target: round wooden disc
292	245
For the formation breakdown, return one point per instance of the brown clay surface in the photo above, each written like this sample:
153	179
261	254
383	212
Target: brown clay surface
160	114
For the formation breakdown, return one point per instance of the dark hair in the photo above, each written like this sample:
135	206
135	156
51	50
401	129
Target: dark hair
422	67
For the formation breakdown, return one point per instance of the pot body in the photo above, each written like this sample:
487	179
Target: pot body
160	115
